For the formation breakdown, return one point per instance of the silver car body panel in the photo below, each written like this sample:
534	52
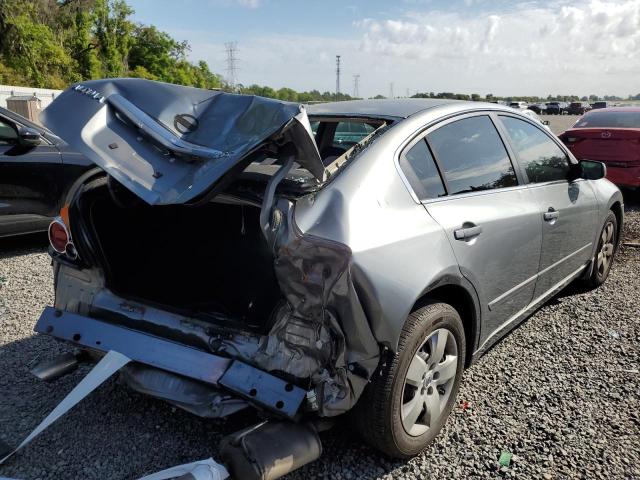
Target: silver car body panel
401	254
355	257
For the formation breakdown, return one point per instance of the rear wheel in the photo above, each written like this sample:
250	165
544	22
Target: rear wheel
403	409
606	250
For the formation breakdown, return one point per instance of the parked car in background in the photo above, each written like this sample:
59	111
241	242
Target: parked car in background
36	170
306	288
611	136
596	105
556	108
578	108
539	108
518	105
347	134
534	116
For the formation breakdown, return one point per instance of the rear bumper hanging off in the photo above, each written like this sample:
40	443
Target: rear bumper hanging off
259	387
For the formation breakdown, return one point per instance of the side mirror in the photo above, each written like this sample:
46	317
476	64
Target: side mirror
546	122
591	170
28	137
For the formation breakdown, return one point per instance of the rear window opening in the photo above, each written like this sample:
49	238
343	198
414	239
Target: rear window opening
335	137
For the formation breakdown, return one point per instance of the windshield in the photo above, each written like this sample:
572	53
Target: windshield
605	119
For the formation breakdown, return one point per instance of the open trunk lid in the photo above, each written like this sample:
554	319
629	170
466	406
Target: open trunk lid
168	143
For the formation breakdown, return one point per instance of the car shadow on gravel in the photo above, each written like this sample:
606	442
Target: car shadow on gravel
166	436
631	198
23	244
101	425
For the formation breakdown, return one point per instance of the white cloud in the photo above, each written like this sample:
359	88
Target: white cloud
564	47
249	3
533	48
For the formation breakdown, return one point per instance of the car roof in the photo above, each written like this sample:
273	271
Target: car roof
384	108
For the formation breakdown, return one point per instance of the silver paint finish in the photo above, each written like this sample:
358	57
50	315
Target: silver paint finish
402	250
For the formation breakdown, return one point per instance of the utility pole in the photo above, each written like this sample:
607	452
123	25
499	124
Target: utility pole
356	80
391	90
232	63
337	77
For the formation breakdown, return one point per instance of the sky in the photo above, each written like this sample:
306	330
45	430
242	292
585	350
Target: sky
502	47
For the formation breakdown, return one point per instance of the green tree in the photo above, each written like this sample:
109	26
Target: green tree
83	47
113	32
31	48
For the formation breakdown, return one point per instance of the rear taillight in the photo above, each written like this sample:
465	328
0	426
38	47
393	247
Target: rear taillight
60	239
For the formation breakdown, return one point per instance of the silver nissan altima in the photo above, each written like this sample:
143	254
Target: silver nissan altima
244	252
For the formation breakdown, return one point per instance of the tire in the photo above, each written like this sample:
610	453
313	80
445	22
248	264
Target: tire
378	414
607	242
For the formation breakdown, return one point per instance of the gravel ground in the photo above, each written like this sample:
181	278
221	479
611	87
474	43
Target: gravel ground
559	123
561	393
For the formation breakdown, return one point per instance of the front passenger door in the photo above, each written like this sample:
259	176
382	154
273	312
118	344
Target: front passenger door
568	209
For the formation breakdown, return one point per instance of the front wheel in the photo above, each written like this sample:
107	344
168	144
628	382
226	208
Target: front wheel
405	406
607	242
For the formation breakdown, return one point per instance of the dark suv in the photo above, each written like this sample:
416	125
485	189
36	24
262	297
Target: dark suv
578	108
556	108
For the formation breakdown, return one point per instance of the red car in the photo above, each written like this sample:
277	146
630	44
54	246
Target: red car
611	136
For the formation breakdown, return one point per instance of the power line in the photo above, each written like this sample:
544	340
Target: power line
337	77
356	80
232	63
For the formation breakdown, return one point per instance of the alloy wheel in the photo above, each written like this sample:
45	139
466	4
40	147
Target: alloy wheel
605	255
429	381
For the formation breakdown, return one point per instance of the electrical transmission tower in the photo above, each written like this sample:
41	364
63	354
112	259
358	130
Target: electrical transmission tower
391	95
356	80
337	77
232	63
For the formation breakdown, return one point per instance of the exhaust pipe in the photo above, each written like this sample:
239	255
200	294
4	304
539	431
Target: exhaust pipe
54	368
269	450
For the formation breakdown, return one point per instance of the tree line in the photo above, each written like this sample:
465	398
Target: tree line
529	99
53	43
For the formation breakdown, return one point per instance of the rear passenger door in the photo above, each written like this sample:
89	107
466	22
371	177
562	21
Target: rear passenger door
568	209
463	174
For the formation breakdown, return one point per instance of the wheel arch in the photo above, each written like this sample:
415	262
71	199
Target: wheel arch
461	295
616	208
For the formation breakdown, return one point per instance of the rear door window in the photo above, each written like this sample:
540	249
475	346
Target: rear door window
543	160
472	156
421	172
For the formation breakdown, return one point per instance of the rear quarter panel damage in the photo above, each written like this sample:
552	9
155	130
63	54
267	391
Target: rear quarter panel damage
398	251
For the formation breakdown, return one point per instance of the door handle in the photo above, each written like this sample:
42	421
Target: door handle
467	232
551	215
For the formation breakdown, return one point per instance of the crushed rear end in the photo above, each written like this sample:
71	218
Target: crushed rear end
187	258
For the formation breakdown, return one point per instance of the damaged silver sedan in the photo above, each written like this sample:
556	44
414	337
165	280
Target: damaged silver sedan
357	256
